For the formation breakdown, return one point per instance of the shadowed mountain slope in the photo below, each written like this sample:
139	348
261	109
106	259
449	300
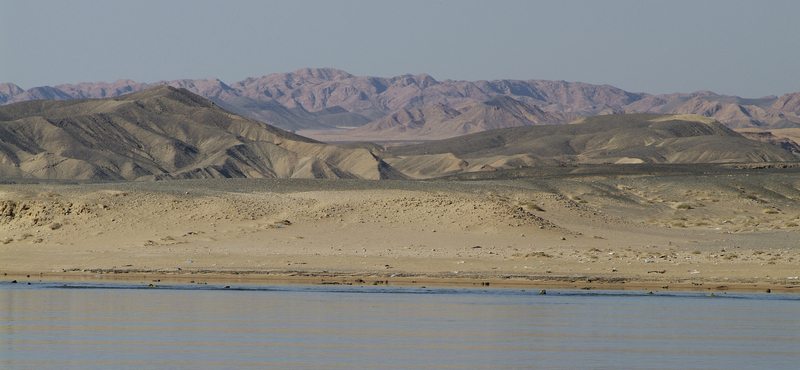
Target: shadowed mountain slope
621	139
162	133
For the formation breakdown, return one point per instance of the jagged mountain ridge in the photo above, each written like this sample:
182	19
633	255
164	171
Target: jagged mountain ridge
315	89
163	133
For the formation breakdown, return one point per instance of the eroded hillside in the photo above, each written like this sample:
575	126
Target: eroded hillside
163	133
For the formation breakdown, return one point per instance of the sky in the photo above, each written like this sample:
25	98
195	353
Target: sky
734	47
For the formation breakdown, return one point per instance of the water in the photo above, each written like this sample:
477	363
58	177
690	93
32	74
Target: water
119	326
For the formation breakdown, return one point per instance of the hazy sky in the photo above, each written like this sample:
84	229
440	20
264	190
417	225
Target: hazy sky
745	48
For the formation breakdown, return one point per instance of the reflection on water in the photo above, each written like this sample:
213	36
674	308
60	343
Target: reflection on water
99	326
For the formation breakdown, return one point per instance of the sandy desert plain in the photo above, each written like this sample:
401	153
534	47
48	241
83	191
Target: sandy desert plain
710	228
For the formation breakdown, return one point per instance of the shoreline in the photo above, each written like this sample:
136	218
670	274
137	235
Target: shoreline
270	278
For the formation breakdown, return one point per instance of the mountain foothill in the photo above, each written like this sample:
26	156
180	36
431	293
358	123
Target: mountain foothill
423	128
163	133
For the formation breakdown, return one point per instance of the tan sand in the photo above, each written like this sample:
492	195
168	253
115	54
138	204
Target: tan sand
578	233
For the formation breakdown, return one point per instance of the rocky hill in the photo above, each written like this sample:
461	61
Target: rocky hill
163	133
613	139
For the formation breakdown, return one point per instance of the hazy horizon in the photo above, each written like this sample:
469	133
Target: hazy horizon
739	48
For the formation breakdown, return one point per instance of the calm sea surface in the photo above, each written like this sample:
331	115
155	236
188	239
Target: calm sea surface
121	326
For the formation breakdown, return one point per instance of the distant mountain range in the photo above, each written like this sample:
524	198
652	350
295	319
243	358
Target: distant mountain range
171	133
319	99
